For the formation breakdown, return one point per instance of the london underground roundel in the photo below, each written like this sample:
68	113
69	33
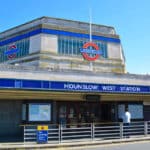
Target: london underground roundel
11	51
90	51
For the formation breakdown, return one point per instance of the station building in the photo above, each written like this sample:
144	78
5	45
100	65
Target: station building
51	72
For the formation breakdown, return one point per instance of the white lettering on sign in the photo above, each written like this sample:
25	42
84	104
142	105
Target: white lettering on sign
80	86
108	88
130	89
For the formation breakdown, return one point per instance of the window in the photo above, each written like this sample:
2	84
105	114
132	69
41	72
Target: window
136	111
21	45
121	111
71	46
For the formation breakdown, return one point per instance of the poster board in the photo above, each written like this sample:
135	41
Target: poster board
39	112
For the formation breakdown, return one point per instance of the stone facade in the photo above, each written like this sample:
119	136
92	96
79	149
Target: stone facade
43	49
44	63
36	73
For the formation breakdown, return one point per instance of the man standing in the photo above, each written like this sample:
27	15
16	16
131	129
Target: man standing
126	123
127	117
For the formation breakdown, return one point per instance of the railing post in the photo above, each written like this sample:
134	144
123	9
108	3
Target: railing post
59	132
93	130
121	130
24	133
145	128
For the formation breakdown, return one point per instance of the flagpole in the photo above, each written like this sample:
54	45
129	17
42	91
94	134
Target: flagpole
90	16
90	24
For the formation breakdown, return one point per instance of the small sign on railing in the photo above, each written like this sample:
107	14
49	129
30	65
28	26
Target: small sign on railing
42	134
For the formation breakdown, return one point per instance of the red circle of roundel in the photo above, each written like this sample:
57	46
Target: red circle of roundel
12	47
11	56
86	56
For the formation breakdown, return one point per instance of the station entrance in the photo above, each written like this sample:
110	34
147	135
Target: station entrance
85	112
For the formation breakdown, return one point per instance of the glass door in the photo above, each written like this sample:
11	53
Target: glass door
72	116
62	115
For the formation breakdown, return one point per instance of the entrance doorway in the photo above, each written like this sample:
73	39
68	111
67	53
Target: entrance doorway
84	112
109	112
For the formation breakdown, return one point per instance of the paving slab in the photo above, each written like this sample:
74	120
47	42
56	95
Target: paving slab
68	144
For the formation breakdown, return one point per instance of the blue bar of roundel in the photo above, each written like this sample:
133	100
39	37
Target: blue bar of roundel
90	51
11	51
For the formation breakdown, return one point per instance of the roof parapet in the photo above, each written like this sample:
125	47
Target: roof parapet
59	22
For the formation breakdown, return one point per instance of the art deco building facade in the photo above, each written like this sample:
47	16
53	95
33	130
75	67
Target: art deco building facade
50	72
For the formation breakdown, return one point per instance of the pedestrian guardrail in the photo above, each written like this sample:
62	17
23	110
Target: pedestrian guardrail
89	131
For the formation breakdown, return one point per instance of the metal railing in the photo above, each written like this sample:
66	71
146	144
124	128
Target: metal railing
90	131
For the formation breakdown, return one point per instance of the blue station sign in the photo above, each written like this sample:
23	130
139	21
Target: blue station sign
107	88
72	86
42	136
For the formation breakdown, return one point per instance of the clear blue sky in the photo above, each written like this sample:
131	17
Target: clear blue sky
131	19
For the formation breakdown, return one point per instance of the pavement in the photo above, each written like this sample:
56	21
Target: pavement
68	144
